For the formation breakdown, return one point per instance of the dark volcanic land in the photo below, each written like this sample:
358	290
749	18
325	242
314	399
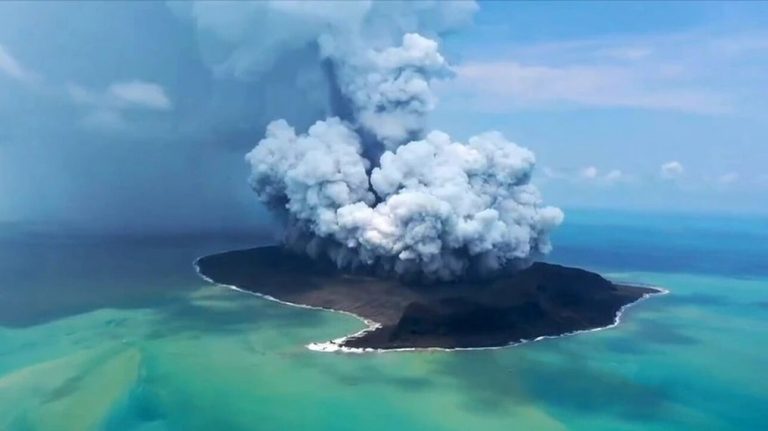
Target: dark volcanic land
541	300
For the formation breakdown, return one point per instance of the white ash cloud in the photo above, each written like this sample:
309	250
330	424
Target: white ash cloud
433	207
389	90
311	175
445	205
377	59
367	185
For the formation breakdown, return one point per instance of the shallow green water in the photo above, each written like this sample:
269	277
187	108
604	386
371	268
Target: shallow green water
148	346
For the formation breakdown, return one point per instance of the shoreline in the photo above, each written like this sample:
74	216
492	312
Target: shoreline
336	345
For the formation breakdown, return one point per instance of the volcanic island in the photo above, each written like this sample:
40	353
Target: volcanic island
542	300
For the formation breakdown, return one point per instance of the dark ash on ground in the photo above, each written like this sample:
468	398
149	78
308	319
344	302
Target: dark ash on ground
541	300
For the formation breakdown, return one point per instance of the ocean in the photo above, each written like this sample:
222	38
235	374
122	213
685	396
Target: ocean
119	333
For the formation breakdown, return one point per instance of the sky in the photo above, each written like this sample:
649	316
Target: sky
135	116
656	105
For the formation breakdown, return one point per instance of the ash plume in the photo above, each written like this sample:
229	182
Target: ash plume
367	185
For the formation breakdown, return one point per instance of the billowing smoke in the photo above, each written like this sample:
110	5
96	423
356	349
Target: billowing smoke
369	187
433	207
388	90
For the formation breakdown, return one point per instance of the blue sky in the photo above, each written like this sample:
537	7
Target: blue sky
643	105
114	113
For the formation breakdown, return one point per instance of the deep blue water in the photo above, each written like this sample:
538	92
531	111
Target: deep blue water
636	241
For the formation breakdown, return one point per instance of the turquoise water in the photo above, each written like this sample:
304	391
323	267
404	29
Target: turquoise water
120	334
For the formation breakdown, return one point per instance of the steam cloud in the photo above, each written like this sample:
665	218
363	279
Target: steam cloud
368	185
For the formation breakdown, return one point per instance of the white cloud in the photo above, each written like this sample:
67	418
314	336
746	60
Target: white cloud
11	67
123	95
593	175
729	178
82	96
590	172
501	85
107	109
613	176
694	72
627	52
551	173
104	119
142	94
672	169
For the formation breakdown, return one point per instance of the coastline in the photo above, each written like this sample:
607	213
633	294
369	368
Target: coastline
336	345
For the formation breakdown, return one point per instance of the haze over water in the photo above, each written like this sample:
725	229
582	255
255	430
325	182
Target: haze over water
121	334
